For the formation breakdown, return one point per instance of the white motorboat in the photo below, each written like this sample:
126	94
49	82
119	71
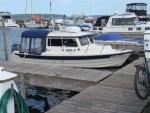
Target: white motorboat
67	47
8	22
127	23
132	24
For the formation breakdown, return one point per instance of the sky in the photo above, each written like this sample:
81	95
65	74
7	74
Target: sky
68	7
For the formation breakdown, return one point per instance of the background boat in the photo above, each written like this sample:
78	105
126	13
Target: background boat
36	22
8	21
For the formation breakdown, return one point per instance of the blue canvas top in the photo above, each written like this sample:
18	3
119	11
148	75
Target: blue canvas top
113	37
109	37
34	34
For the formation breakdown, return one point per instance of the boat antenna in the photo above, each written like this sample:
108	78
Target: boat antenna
51	17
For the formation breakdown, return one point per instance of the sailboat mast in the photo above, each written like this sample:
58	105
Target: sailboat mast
31	7
26	10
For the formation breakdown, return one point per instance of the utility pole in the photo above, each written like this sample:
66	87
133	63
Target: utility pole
4	38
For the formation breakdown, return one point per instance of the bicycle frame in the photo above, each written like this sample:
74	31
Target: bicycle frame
144	65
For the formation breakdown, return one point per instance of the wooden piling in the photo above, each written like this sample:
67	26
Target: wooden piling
22	86
4	38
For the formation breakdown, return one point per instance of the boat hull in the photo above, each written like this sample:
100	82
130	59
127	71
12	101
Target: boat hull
35	25
95	61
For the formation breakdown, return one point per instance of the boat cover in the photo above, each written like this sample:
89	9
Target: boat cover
34	34
115	37
109	37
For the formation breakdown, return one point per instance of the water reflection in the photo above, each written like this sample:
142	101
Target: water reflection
40	99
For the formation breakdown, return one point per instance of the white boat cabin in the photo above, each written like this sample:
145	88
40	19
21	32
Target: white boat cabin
45	42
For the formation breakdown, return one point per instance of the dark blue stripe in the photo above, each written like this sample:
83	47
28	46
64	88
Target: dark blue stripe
68	57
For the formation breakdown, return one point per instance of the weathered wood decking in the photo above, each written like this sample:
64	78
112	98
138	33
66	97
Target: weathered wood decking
115	94
55	77
112	95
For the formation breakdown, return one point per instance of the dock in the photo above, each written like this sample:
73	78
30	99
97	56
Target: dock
100	91
75	79
112	95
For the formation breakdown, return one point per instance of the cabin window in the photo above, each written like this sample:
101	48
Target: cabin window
100	28
71	43
122	21
147	28
94	28
138	28
91	39
36	46
25	44
83	41
130	29
66	42
54	42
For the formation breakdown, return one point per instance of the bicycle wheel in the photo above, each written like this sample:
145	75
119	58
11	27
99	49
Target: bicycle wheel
141	84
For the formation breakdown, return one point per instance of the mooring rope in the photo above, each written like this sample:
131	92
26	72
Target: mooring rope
19	102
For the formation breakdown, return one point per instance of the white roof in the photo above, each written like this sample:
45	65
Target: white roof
69	32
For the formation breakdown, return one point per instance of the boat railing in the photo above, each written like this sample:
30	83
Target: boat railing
120	45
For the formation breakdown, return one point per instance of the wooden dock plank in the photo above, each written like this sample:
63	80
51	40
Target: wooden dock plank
99	99
112	95
48	76
129	69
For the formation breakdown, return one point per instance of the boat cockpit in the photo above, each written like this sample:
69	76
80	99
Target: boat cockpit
32	42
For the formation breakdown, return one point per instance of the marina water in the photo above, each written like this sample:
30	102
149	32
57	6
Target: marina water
38	99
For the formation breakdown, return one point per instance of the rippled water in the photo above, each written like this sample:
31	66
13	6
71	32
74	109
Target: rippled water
38	99
13	35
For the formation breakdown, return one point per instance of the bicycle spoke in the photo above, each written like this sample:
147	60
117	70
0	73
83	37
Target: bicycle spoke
141	84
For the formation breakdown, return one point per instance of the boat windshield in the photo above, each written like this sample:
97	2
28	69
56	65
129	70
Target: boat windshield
31	45
84	41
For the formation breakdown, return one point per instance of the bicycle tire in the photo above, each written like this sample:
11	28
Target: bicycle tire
141	74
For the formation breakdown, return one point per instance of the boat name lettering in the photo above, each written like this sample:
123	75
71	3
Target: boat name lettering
70	50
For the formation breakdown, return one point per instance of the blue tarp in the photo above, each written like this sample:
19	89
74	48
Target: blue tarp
109	37
34	34
113	37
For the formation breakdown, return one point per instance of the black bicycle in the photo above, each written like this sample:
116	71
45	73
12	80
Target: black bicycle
142	79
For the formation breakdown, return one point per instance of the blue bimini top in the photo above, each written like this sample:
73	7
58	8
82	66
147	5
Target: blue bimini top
34	34
109	37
